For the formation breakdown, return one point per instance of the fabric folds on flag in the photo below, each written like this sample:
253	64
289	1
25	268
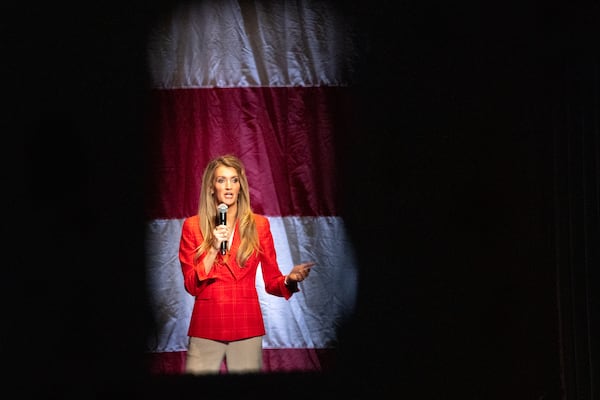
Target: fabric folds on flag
268	82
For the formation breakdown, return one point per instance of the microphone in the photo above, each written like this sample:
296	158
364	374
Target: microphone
223	221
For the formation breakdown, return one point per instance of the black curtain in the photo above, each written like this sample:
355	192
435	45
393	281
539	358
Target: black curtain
576	215
479	138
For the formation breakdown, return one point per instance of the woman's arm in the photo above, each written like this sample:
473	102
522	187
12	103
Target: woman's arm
195	270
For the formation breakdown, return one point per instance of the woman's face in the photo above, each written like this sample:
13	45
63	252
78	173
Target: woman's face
226	185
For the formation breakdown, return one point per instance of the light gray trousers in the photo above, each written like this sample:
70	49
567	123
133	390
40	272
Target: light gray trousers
205	356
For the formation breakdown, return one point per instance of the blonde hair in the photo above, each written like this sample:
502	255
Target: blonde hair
207	209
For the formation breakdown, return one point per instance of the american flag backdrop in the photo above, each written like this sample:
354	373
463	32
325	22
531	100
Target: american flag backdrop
269	82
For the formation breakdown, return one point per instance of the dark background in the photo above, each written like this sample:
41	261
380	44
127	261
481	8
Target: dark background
477	137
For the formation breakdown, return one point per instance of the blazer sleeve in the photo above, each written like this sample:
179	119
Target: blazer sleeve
272	276
193	271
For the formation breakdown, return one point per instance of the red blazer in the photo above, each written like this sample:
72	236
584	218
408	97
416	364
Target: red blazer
226	305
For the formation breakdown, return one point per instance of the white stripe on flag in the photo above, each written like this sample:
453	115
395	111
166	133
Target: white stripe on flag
227	43
171	304
310	319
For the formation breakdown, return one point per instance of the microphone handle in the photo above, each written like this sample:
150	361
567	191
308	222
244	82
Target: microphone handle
223	221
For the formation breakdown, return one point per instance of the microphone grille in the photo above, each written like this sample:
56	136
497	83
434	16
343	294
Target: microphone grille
222	207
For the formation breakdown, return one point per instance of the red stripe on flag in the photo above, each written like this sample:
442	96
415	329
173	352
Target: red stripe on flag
274	360
286	137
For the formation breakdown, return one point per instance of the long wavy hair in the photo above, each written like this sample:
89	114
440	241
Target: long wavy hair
207	209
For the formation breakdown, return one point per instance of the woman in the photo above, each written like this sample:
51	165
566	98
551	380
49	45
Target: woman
227	322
